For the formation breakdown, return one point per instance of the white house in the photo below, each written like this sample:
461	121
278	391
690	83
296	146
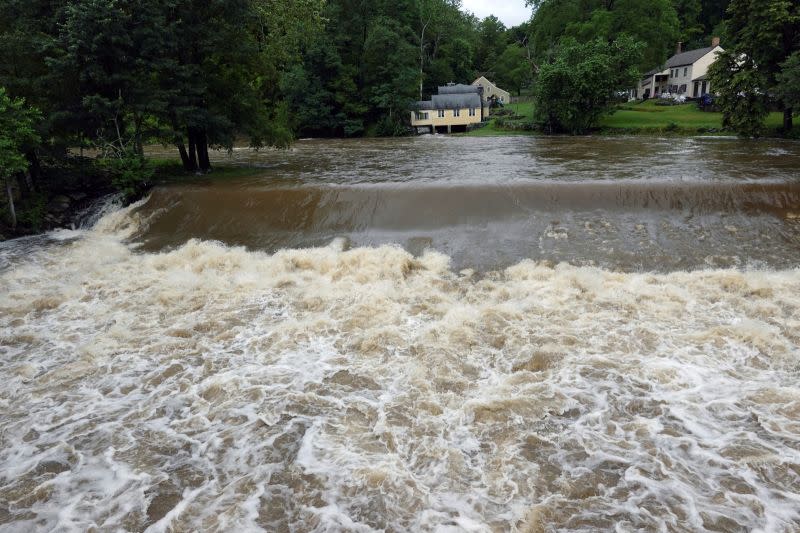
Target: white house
685	73
489	90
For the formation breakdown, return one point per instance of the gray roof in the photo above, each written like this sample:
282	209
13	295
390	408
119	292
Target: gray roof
456	101
458	89
450	101
688	58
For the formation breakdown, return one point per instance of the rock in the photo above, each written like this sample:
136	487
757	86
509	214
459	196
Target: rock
78	196
59	203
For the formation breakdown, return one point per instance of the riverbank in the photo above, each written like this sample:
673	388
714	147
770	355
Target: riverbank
635	118
66	192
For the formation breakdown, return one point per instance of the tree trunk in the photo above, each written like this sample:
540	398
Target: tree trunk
192	151
10	194
34	169
24	185
202	151
137	125
787	119
184	156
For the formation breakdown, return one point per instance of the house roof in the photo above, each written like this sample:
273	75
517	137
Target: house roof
450	101
458	89
701	78
688	58
456	101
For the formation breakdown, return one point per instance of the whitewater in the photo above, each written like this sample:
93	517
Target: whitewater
211	386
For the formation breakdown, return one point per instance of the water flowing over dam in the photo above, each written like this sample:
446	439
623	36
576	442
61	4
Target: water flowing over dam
428	334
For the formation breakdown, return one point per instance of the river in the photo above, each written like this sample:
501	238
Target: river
424	334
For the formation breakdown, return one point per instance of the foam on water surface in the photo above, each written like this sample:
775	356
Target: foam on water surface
209	387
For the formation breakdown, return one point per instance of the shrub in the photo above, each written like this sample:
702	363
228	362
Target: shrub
129	174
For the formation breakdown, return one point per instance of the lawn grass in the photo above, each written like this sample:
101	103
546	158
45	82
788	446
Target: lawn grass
524	109
643	118
647	117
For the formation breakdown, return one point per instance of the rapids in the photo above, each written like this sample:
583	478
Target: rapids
176	367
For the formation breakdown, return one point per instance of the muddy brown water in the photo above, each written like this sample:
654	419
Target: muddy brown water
427	334
619	203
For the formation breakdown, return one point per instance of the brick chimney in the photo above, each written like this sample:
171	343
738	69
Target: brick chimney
714	42
679	48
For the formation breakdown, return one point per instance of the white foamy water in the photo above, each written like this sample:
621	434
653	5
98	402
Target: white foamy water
214	388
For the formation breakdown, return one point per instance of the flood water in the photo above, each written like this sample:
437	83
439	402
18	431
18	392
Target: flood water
427	334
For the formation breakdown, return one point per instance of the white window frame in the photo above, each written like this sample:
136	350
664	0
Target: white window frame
441	113
472	111
456	112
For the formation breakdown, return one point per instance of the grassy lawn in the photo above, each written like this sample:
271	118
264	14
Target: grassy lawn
641	117
524	109
685	118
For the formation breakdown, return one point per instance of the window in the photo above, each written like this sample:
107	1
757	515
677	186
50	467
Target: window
685	70
472	111
421	116
456	112
441	113
682	89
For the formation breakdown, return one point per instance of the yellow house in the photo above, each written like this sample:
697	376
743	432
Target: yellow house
452	110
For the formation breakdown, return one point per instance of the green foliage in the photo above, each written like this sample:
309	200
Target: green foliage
129	173
652	22
740	93
765	34
491	43
788	86
512	69
17	134
579	85
31	212
360	73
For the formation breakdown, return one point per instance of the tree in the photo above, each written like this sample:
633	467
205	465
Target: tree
652	22
739	87
17	136
788	88
764	34
389	73
512	69
579	85
492	41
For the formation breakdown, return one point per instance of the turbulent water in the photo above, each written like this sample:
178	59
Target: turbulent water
434	334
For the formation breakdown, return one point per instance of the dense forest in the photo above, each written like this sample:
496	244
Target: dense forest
114	75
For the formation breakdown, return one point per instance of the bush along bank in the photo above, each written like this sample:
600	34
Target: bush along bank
57	191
